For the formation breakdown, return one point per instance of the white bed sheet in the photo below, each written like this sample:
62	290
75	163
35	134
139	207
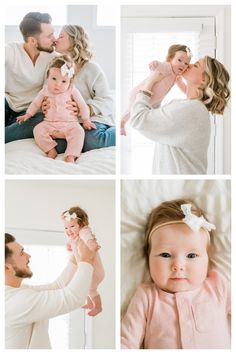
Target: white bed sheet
139	197
25	157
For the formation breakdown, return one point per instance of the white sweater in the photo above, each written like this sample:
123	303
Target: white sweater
28	308
93	86
181	130
24	80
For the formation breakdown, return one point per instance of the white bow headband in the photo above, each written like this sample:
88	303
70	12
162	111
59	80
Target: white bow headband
66	71
193	221
69	216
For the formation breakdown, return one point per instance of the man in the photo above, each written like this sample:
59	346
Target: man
26	65
28	308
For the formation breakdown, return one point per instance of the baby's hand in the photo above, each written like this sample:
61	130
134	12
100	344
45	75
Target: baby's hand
153	65
88	125
23	118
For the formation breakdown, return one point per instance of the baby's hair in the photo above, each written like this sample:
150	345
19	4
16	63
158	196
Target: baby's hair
82	216
61	60
166	212
177	48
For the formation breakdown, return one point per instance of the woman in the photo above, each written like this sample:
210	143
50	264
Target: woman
181	128
93	86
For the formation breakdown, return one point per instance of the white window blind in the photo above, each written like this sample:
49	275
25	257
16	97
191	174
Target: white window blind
144	40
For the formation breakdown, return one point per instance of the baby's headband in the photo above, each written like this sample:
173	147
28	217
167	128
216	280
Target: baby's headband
69	216
193	221
188	52
66	71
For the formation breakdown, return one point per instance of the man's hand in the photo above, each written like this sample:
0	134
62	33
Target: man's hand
73	108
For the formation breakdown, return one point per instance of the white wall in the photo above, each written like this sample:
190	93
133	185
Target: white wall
102	37
34	204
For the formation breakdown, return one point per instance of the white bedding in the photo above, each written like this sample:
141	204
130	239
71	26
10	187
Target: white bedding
138	198
25	157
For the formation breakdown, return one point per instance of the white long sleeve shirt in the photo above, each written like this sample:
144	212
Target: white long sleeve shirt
181	131
23	79
28	308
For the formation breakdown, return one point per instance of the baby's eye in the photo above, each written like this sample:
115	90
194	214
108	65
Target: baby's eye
192	255
165	255
179	60
53	78
63	81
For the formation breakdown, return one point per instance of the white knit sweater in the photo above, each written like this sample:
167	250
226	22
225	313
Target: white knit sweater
28	308
181	130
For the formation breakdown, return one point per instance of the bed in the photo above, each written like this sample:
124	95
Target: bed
139	197
23	157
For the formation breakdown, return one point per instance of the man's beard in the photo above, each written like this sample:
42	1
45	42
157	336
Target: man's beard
21	273
44	49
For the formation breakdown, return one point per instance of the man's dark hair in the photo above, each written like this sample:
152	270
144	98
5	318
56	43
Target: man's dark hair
31	24
8	239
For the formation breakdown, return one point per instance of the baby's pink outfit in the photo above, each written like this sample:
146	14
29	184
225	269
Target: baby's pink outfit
159	89
196	319
59	117
98	274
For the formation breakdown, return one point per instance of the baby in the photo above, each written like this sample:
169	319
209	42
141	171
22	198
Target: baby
59	120
176	63
76	226
186	306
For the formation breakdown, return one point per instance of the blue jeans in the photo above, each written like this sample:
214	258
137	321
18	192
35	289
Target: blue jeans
103	136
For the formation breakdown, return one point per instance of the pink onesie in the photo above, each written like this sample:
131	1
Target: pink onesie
59	117
196	319
98	273
160	89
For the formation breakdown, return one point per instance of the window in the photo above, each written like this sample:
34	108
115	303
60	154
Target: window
144	40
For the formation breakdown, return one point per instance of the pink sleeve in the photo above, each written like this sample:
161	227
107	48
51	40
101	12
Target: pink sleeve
84	110
133	325
35	105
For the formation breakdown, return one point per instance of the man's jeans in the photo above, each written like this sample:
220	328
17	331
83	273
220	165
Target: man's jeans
103	136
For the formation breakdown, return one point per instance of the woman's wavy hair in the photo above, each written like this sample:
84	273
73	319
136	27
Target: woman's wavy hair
216	92
80	50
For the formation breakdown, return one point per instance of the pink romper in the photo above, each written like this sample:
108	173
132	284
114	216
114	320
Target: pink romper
59	117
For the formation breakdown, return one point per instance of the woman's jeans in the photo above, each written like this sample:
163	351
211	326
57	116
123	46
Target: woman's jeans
103	136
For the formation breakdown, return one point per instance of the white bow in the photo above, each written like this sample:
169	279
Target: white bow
66	71
193	221
69	216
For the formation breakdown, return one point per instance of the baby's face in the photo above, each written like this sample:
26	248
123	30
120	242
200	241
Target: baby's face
178	259
56	82
180	62
71	228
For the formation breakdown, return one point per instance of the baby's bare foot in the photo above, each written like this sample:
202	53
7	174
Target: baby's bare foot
70	158
52	153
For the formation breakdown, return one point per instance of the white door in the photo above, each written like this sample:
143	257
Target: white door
144	39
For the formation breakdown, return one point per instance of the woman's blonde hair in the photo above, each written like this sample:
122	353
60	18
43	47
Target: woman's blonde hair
177	48
165	212
80	47
81	215
216	92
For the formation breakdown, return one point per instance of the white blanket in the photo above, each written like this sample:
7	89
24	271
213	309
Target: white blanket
25	157
138	198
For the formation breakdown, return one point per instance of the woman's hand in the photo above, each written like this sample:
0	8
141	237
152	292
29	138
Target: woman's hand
154	77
